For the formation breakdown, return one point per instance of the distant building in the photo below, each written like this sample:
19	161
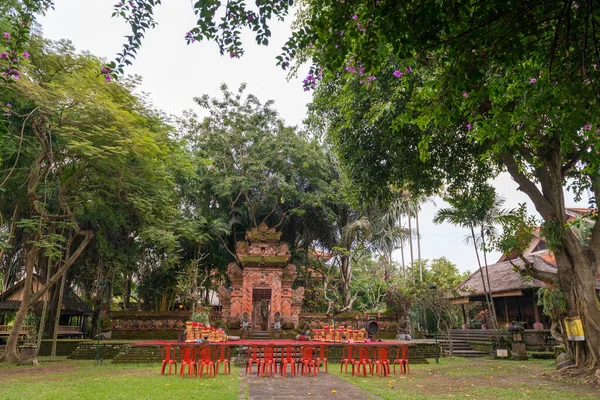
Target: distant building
514	295
73	310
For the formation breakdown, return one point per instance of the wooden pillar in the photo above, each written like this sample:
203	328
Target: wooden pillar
536	312
506	309
520	316
464	313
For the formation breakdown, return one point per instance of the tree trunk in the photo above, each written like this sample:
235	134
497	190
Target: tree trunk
578	282
577	264
346	277
57	314
488	296
487	275
412	259
402	252
44	308
419	245
11	352
127	293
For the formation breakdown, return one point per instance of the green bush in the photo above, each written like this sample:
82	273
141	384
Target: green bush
200	317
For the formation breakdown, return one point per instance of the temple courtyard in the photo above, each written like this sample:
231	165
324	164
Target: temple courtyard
59	378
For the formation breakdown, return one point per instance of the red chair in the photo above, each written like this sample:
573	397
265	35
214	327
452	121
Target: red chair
381	361
169	355
288	357
361	358
187	355
347	354
402	359
267	360
206	360
253	357
223	357
323	352
307	359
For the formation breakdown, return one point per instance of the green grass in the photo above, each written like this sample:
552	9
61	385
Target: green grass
481	378
62	379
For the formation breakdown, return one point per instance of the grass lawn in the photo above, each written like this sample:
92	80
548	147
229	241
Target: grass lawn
60	379
479	378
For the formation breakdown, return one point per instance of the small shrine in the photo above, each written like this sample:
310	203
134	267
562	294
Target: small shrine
261	297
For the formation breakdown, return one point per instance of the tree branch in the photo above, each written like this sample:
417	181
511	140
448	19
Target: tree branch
542	205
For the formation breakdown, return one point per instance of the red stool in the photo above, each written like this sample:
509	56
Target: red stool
308	361
206	358
381	361
288	357
187	355
402	359
253	357
169	355
223	357
361	359
347	354
323	354
267	360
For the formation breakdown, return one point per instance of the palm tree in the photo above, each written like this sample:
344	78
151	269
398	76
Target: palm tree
475	210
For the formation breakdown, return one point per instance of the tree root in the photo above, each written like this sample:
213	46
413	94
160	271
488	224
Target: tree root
583	373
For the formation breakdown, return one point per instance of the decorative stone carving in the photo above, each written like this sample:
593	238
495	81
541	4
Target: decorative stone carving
264	262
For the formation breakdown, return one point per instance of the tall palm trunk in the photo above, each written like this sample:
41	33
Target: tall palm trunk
487	275
419	245
412	260
485	292
57	314
402	251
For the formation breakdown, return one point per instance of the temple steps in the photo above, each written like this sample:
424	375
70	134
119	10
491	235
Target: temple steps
261	335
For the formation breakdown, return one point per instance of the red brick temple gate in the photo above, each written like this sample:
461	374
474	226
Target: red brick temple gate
261	294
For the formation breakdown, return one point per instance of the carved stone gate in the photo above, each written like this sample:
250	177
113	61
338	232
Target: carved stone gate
261	283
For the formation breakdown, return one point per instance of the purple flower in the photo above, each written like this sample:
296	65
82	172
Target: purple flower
4	55
8	105
532	80
468	127
286	64
371	78
465	95
587	127
6	35
360	28
355	17
558	107
398	74
105	71
350	68
408	70
107	77
575	5
25	55
14	73
131	3
250	17
233	55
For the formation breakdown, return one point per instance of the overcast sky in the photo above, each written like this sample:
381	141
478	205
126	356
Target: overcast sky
173	73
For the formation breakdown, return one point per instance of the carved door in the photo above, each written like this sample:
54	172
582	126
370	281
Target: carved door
261	309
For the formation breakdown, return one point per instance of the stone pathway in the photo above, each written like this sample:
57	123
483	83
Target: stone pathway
322	386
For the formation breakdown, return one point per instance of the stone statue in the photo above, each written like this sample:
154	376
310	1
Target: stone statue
245	322
403	332
278	322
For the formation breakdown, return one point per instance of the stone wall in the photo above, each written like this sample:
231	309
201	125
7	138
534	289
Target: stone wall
539	340
148	324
